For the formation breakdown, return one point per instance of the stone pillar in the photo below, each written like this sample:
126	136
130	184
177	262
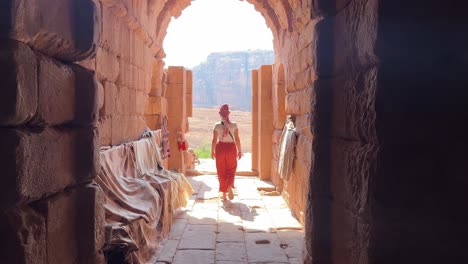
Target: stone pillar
176	112
279	117
48	136
189	93
255	153
265	121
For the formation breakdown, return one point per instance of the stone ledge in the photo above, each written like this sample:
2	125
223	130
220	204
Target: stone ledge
64	29
40	164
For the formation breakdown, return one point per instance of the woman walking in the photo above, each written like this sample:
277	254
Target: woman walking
226	149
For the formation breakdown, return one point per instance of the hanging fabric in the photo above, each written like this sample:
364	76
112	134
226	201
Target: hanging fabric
166	152
287	150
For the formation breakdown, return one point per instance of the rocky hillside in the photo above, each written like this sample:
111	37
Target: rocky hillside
226	78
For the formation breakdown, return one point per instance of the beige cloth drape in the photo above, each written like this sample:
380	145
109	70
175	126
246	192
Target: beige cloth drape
287	150
140	198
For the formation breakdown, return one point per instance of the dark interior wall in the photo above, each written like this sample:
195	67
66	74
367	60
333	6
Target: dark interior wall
390	165
419	191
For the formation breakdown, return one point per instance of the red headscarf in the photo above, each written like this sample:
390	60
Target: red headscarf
224	113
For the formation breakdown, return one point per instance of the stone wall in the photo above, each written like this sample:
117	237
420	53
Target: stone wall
123	64
387	184
49	210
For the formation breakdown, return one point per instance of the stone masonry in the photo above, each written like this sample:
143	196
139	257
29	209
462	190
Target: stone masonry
377	89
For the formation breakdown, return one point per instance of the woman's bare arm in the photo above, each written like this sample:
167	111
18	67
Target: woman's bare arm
213	144
238	143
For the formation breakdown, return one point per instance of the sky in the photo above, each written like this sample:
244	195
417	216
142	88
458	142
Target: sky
208	26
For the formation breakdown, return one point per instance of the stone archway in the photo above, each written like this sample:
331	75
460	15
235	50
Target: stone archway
378	89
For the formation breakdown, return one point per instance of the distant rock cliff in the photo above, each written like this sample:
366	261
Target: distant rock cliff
226	78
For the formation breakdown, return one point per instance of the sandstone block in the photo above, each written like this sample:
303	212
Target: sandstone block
298	103
64	29
327	8
176	107
74	225
353	113
176	75
86	96
100	98
107	65
110	98
66	94
351	168
18	65
351	236
39	164
24	230
110	31
105	131
141	101
276	136
156	105
346	42
153	121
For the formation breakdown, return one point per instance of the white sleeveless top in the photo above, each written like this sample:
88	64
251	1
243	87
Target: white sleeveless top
220	129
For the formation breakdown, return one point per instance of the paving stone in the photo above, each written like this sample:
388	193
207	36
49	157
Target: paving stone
198	237
296	261
204	205
230	216
249	205
271	252
177	228
230	262
275	202
194	257
294	240
256	221
265	186
208	217
283	219
230	232
168	251
233	251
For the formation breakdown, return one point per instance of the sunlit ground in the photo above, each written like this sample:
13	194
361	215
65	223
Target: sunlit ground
254	227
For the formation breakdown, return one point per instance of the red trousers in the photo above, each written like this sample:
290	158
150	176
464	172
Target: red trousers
226	164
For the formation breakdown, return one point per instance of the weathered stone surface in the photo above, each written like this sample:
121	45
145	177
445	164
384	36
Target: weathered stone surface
191	237
352	166
347	41
66	94
264	252
298	103
156	105
107	65
234	251
353	103
74	225
64	29
24	231
86	93
327	8
40	164
194	256
18	66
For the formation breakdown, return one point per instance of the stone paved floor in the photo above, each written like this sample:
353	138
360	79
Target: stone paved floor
254	227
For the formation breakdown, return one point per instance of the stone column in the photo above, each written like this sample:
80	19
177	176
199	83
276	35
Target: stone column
176	112
265	121
255	153
48	136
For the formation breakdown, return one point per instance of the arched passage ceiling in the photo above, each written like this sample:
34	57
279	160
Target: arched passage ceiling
279	16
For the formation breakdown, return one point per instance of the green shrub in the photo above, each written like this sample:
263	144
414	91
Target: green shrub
203	152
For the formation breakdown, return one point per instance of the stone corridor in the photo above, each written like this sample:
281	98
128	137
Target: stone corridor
255	227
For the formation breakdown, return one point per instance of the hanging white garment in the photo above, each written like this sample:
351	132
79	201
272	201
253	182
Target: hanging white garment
287	151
